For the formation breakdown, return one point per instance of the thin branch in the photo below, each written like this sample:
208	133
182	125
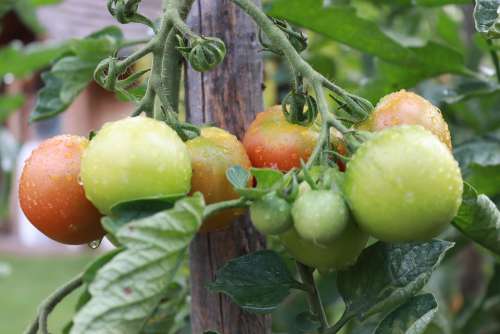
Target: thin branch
306	275
494	58
216	207
50	303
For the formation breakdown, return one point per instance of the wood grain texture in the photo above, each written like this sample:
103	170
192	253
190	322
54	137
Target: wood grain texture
228	96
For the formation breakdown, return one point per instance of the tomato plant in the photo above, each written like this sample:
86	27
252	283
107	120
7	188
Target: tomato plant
212	153
116	167
402	200
51	196
322	174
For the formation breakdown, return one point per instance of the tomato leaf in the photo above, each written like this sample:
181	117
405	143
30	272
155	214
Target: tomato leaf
134	282
341	23
72	73
486	18
21	61
479	219
413	317
387	275
257	282
238	176
480	164
124	213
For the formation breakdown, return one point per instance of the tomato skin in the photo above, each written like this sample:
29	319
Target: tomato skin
272	142
320	216
407	108
340	254
51	197
403	185
135	158
212	153
271	215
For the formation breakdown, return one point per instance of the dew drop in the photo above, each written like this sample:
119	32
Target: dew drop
95	244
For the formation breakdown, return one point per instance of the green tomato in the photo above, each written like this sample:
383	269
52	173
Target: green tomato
271	215
320	216
341	253
135	158
403	185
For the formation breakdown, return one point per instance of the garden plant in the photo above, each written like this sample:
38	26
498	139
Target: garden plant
364	193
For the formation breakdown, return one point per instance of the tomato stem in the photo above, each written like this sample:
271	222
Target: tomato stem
219	206
50	303
313	296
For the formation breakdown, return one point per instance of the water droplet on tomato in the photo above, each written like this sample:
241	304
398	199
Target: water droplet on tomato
95	244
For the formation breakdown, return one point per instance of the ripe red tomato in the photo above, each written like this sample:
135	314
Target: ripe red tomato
272	142
407	108
212	153
51	196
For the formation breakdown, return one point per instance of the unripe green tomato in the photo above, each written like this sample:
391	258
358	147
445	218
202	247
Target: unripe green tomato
134	158
341	253
320	216
271	214
403	185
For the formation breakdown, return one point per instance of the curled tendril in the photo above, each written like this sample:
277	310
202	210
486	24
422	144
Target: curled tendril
300	108
203	53
296	37
105	73
125	11
108	75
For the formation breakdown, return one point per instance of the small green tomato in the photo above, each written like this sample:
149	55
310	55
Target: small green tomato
271	214
320	216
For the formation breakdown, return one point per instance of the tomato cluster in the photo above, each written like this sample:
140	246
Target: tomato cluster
400	185
68	183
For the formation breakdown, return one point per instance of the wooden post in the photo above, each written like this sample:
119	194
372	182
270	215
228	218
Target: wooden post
228	96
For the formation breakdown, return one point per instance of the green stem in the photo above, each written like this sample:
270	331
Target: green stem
306	275
50	303
494	58
171	66
216	207
346	317
281	42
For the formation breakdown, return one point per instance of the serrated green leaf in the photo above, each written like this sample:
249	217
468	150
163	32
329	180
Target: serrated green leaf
238	176
387	275
124	213
480	164
267	179
129	288
412	317
71	74
257	282
486	17
22	61
479	219
341	23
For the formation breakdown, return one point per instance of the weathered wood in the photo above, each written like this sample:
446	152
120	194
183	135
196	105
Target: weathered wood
228	96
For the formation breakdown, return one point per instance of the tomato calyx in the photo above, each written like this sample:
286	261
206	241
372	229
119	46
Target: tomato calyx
300	108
